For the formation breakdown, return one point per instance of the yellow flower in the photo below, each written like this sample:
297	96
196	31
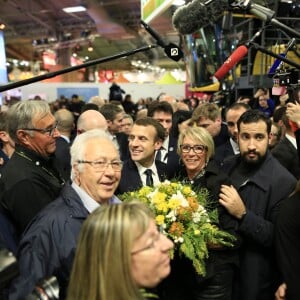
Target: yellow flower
144	191
174	203
186	190
162	206
160	219
184	217
158	197
174	185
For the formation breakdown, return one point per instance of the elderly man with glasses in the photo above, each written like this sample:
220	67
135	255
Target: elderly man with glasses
29	181
49	242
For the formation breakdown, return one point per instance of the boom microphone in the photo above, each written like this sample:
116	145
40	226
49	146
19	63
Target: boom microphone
191	17
231	61
154	34
237	55
265	14
171	50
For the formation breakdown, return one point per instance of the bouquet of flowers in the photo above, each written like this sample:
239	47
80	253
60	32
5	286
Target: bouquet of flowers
184	217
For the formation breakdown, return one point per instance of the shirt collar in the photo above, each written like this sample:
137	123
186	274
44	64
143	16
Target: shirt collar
142	169
165	144
235	146
89	203
292	140
65	138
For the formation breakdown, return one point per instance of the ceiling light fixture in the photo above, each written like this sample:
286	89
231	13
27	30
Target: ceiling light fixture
74	9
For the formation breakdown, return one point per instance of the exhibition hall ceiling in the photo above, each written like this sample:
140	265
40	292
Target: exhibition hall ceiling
109	26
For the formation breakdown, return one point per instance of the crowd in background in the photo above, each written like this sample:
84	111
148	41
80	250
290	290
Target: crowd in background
245	151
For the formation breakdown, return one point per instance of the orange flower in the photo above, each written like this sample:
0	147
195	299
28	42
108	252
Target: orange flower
176	229
193	203
184	213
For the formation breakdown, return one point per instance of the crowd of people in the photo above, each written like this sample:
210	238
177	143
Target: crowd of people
65	165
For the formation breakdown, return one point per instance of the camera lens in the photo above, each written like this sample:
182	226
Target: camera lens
48	289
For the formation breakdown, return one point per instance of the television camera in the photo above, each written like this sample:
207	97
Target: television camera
46	289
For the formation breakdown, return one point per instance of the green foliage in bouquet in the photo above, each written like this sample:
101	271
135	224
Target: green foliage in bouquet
186	218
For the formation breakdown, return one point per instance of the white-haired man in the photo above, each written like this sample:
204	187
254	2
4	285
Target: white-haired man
48	245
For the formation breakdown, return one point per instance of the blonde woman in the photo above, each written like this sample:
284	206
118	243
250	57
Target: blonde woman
120	251
196	149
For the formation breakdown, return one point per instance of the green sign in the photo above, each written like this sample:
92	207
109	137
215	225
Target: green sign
152	8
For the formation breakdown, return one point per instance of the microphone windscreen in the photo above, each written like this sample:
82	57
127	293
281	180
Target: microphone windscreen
189	18
232	60
293	125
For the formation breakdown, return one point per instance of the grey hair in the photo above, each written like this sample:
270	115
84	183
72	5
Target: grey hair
65	119
78	147
21	114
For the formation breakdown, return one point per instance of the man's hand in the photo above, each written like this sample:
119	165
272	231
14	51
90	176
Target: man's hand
281	291
231	200
293	112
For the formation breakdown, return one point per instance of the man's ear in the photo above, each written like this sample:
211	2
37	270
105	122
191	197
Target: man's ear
3	136
75	169
76	174
109	122
218	120
23	137
158	144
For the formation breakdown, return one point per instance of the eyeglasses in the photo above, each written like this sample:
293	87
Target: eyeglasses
198	149
101	165
47	131
153	242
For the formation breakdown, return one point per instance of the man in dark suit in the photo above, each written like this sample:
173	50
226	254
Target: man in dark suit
260	185
114	117
231	147
208	116
286	150
145	139
65	125
89	119
163	113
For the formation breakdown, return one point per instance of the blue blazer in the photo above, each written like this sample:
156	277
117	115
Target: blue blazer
173	158
130	177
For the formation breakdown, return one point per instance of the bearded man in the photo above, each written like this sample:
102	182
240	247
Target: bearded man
259	186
